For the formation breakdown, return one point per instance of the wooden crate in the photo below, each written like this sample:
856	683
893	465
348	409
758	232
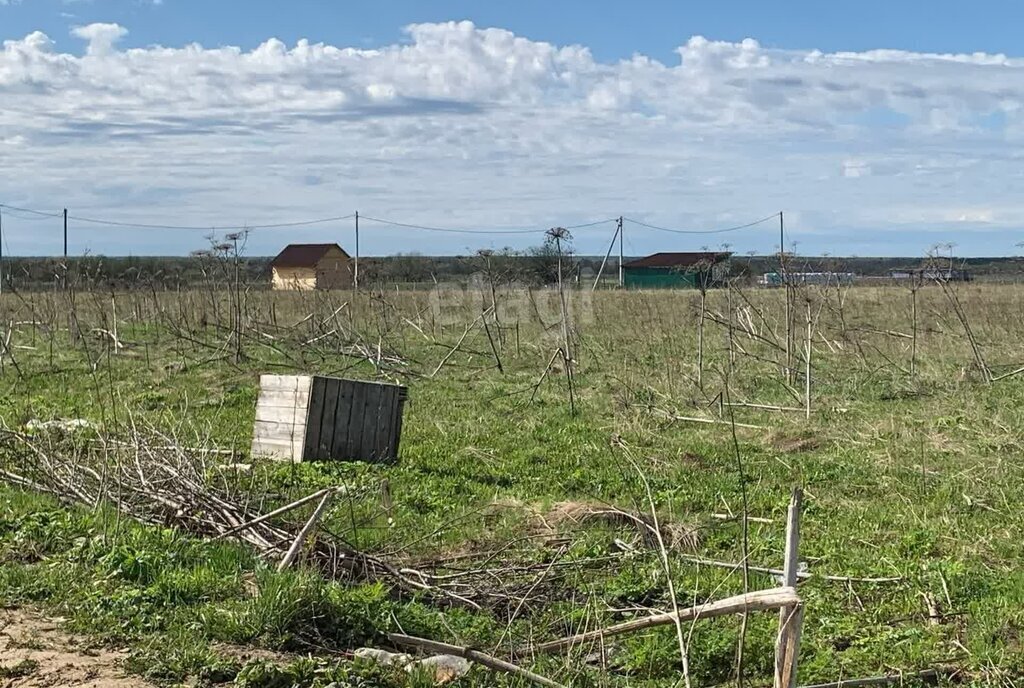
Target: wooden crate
306	417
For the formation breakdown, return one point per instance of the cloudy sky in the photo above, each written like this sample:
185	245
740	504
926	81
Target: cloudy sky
876	128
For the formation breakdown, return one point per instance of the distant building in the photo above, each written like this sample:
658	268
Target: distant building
304	267
931	274
776	279
676	270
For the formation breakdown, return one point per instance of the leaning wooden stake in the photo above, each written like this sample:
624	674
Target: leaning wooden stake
293	551
752	601
473	656
787	646
276	512
494	348
559	233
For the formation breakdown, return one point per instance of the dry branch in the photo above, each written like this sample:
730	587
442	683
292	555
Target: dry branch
801	575
276	512
1009	374
473	656
458	344
293	551
753	601
709	421
930	675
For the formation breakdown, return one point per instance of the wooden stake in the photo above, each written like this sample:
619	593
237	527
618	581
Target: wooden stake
700	339
787	645
913	343
113	321
807	370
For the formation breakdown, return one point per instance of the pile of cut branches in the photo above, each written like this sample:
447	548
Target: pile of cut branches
152	479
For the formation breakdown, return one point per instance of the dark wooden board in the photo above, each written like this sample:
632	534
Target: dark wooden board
342	419
327	428
314	418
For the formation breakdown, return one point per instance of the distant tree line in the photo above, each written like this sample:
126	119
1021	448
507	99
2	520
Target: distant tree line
536	266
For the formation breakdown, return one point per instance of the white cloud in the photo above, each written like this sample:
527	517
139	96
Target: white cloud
101	37
972	216
479	127
853	169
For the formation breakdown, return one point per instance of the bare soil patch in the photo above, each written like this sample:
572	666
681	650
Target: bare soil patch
36	653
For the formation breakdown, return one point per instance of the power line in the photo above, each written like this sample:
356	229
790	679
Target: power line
593	224
29	210
283	225
278	225
480	231
39	214
144	225
406	225
703	231
11	212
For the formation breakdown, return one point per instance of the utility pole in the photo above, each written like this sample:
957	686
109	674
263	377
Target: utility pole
355	272
65	234
782	239
622	276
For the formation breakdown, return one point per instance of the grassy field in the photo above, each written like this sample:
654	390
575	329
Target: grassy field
910	464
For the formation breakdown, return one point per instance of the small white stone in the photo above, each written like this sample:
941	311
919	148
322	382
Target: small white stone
383	657
444	668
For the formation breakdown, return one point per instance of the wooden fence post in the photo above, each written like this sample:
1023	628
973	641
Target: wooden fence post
787	646
807	369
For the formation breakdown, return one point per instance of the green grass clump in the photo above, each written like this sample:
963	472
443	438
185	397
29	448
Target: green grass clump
25	667
321	673
293	610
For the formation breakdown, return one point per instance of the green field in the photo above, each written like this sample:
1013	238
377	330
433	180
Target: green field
911	466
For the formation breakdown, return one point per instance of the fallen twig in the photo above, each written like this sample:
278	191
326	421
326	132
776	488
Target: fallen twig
709	421
473	656
929	675
803	575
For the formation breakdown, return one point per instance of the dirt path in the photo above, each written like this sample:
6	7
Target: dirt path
36	653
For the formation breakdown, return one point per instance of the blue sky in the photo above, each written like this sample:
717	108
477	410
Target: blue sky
613	30
878	127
